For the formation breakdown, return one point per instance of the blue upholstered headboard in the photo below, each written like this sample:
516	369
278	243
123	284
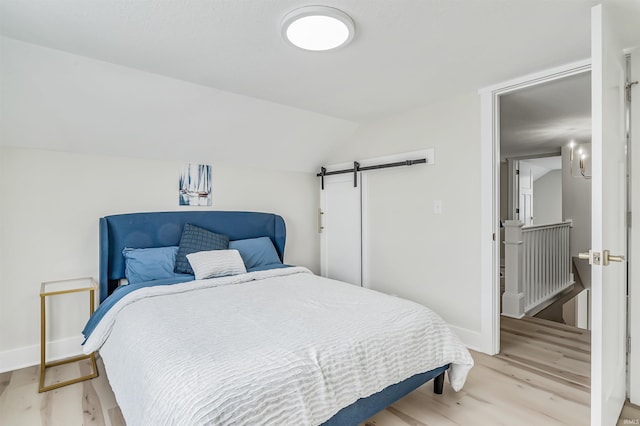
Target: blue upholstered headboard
159	229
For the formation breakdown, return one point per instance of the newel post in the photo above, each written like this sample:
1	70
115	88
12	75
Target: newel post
513	297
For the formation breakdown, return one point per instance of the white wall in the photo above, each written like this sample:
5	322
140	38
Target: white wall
49	211
547	198
576	204
429	258
56	100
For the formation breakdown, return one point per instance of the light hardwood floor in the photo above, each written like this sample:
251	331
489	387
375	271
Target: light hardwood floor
541	377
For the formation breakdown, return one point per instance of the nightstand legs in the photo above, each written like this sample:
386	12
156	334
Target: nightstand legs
43	345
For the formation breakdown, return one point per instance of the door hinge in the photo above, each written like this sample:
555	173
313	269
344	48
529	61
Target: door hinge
628	344
494	236
517	210
517	172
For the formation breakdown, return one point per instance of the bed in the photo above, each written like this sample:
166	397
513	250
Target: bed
273	345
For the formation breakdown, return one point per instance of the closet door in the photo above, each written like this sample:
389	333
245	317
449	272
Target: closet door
341	233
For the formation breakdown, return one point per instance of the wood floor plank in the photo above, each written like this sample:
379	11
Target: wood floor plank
5	379
543	404
550	327
385	418
91	406
529	377
465	407
549	369
106	397
510	338
630	415
549	348
553	325
405	417
65	402
116	418
535	378
544	336
574	362
46	409
20	402
553	338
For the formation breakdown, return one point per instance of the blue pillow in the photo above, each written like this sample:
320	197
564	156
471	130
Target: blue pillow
147	264
256	252
271	266
193	240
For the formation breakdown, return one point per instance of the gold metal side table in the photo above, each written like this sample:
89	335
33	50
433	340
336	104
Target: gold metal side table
53	288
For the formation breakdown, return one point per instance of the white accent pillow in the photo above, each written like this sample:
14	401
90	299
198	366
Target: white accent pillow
216	263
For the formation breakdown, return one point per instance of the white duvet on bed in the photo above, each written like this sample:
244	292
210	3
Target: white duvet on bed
279	347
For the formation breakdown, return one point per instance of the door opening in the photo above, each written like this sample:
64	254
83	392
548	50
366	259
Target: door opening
544	145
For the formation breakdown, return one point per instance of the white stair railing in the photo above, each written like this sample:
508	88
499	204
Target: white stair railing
537	265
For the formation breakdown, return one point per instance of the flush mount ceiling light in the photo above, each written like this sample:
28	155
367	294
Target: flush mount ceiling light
318	28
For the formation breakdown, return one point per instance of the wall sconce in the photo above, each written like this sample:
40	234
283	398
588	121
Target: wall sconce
581	161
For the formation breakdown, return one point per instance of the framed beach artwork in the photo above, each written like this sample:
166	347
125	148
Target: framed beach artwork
195	185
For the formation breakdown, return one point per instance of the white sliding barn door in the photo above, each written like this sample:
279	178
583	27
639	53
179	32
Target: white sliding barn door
341	236
608	226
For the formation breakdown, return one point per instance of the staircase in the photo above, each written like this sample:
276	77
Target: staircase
552	309
537	266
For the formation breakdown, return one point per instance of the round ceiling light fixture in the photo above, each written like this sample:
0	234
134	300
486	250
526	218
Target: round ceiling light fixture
318	28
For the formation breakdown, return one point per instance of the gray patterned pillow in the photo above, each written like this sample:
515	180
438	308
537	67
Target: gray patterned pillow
195	239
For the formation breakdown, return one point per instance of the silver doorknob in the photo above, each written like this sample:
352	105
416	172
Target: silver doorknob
606	258
585	255
592	256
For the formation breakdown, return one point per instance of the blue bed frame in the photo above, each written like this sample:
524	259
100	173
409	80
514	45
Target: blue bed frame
161	229
158	229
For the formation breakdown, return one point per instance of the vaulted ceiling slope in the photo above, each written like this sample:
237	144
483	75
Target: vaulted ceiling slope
214	78
59	101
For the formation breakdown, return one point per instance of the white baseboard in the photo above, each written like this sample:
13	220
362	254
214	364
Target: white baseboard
472	339
30	355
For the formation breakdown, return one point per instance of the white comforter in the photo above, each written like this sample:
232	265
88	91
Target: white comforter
279	347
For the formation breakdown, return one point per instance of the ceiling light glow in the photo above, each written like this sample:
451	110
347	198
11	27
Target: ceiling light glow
318	28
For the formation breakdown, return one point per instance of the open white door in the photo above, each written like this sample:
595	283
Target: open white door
608	226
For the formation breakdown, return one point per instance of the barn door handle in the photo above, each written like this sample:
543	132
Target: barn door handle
320	227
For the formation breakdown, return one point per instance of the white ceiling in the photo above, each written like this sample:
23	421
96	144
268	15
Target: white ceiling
406	53
541	119
198	79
